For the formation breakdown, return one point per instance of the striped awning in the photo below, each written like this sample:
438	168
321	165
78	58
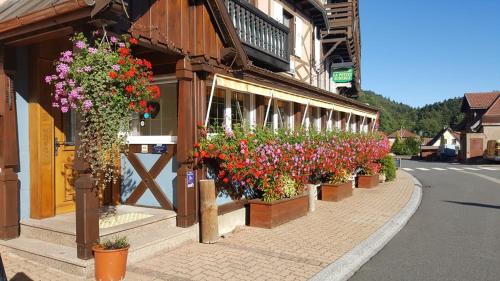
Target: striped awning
243	86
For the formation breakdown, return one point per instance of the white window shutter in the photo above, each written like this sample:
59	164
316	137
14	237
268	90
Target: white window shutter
277	12
292	66
298	36
317	50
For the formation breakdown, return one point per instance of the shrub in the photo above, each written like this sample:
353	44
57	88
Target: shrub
388	167
412	146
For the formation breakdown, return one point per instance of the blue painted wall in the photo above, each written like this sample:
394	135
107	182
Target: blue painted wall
22	97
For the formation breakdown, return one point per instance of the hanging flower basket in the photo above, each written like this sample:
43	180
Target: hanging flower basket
105	84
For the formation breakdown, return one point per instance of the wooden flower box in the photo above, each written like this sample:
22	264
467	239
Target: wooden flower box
365	181
335	192
271	214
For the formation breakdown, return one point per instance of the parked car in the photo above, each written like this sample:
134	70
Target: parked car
447	151
492	150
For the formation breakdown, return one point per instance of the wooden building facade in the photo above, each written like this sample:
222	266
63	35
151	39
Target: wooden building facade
218	62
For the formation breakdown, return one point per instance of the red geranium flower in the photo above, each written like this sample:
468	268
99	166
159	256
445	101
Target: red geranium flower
129	89
143	103
112	75
124	51
133	41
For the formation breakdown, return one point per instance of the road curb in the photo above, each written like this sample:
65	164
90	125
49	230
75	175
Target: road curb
345	267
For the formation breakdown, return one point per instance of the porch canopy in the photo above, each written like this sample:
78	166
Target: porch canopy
243	86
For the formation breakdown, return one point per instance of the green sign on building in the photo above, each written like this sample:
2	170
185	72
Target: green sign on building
342	75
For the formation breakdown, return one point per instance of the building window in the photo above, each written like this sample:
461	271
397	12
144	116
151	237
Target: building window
269	122
240	109
289	22
217	109
283	110
162	120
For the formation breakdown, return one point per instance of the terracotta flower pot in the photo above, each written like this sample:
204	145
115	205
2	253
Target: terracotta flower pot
365	181
271	214
110	265
336	192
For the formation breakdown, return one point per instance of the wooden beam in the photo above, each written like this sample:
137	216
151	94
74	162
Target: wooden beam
9	161
188	109
52	34
87	204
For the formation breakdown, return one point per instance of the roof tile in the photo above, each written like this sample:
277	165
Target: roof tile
481	100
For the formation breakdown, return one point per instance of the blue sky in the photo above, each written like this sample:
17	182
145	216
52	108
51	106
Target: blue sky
420	52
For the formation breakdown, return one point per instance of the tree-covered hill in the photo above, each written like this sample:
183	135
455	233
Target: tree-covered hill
426	121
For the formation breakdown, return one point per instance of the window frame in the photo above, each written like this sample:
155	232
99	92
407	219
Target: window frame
157	139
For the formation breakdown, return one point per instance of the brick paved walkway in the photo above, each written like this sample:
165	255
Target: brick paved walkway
294	251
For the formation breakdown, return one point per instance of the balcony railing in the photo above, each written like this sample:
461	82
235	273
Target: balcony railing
261	33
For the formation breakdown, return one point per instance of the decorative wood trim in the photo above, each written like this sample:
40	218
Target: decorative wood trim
148	179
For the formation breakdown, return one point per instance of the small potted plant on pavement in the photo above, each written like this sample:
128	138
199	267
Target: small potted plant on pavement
337	187
388	169
111	259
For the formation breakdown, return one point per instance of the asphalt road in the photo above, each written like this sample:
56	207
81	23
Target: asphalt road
455	233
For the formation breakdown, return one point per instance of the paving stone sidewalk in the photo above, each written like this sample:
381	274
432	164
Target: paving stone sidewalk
294	251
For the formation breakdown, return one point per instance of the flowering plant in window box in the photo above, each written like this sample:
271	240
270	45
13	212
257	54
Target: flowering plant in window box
105	84
369	151
276	166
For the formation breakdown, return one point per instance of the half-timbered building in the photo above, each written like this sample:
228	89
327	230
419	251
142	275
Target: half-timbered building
268	63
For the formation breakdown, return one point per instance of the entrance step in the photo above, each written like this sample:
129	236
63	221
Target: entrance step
62	228
51	242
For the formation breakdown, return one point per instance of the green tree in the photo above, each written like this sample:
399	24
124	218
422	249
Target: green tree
398	147
411	146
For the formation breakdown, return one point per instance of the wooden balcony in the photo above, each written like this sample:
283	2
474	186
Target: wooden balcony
265	39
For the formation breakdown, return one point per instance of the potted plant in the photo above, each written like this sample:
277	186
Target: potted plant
388	168
111	259
368	177
273	211
338	186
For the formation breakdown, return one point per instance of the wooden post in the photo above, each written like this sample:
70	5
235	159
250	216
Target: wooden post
87	205
9	156
208	208
187	196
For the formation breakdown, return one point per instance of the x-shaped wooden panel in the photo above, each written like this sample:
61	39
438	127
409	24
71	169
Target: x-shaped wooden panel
149	179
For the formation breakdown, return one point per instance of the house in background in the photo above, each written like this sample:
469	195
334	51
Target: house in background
446	139
481	123
402	134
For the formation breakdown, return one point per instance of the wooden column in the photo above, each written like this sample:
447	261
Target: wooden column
9	156
87	205
187	197
343	121
298	110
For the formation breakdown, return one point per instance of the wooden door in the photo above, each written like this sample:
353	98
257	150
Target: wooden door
476	147
64	154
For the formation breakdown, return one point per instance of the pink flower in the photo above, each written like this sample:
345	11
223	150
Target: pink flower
87	104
